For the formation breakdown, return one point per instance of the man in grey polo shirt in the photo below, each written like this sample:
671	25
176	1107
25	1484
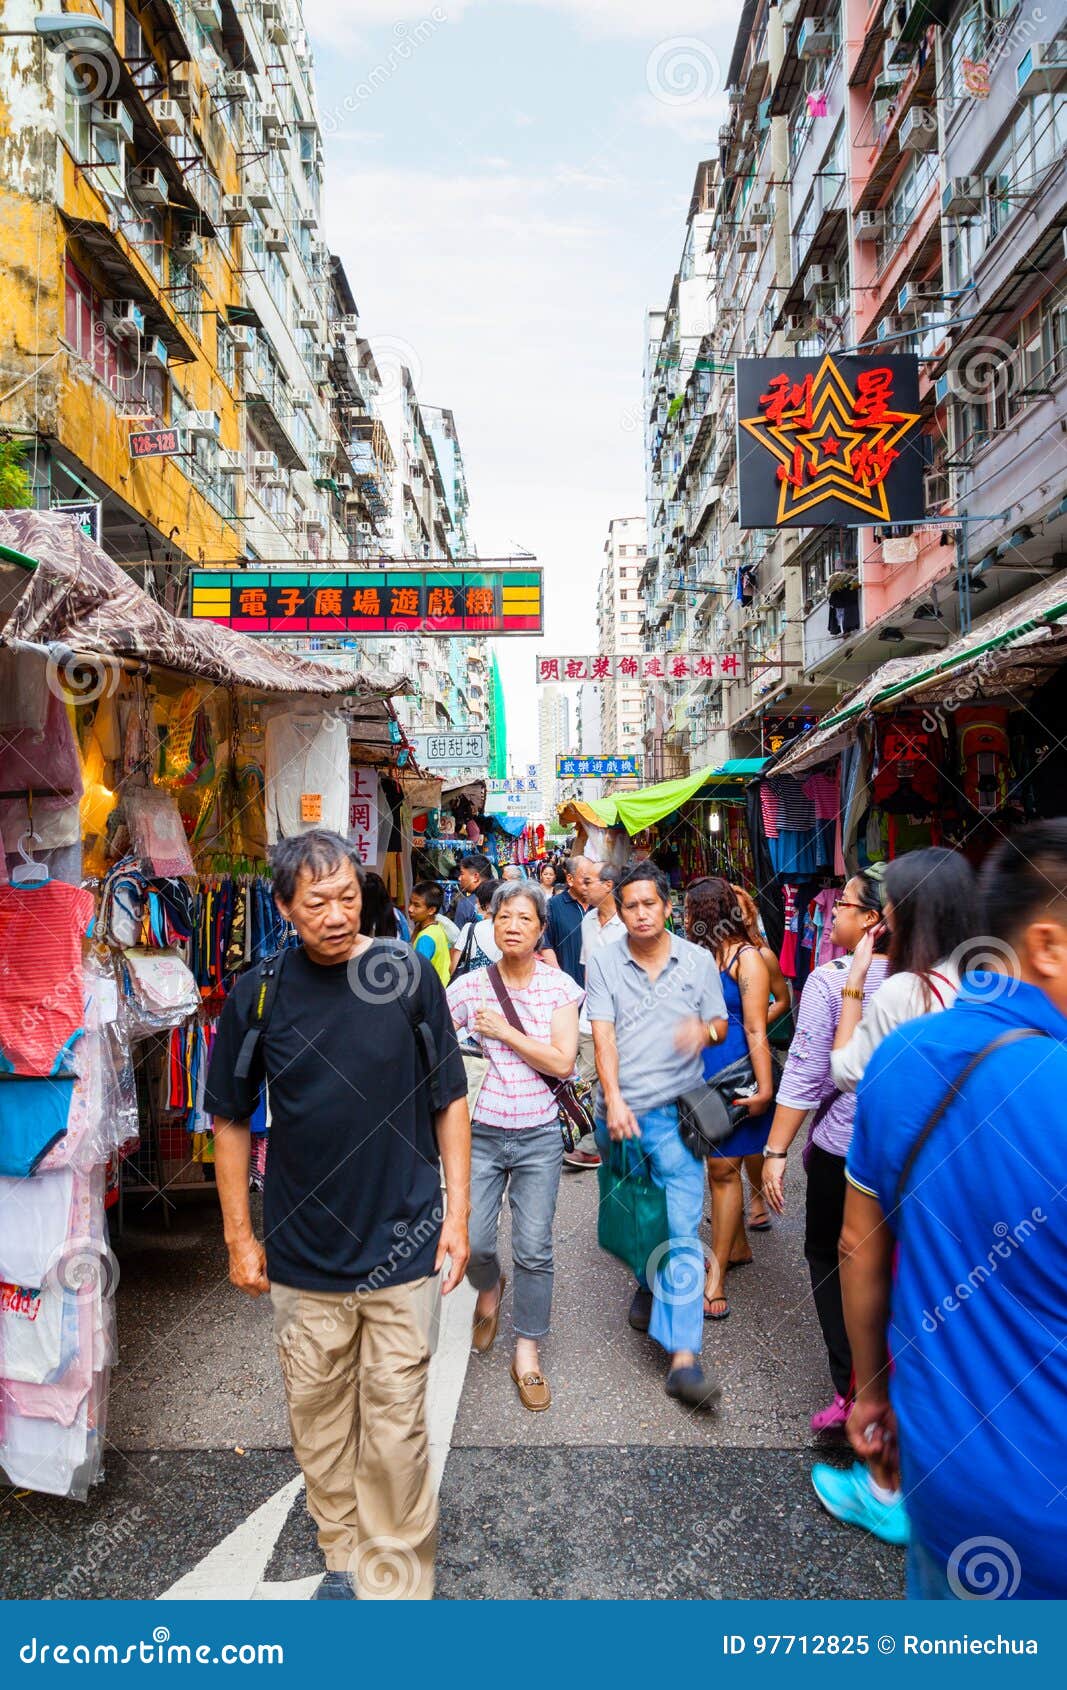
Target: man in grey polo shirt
655	1002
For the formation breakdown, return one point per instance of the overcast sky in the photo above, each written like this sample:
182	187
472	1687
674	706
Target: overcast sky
507	183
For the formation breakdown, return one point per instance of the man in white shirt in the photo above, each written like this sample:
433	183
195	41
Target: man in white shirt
601	925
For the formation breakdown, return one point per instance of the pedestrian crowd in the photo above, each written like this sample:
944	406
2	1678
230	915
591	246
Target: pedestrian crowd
571	1022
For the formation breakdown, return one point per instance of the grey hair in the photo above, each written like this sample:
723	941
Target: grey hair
319	851
508	890
609	874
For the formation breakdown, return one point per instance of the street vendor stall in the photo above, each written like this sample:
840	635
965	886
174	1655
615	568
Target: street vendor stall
146	765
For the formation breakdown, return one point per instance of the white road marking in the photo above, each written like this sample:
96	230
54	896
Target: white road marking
233	1570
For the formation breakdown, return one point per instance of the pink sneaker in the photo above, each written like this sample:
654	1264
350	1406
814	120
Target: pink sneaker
832	1418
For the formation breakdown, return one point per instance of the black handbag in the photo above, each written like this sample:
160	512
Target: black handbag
708	1114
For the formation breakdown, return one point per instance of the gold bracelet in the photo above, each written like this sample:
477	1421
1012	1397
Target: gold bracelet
852	992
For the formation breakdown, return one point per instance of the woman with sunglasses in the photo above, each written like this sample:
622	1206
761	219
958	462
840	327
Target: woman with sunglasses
807	1084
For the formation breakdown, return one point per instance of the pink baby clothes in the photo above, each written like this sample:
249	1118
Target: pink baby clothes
41	980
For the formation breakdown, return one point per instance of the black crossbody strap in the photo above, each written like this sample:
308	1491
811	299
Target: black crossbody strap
955	1088
270	973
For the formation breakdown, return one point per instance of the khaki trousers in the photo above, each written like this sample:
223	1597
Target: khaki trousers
355	1366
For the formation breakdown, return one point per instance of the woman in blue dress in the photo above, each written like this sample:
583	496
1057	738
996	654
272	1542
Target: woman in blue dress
714	919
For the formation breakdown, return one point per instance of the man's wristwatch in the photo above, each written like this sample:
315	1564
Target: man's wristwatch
780	1154
709	1028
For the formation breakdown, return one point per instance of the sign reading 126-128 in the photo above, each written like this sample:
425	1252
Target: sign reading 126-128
370	601
828	441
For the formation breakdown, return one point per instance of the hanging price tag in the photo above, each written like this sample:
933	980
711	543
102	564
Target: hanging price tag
311	806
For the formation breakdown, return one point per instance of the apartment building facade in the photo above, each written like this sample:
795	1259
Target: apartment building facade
890	177
185	351
620	615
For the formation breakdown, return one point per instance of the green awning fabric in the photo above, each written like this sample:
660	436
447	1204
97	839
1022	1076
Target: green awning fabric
637	810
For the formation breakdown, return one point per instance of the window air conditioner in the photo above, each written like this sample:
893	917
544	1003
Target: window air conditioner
918	131
819	276
275	238
890	327
870	225
169	118
815	40
115	119
1042	69
207	14
124	317
188	247
303	398
148	187
796	327
230	463
236	209
201	424
155	352
962	196
265	461
259	195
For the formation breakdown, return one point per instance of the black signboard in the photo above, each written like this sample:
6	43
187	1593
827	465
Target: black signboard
828	440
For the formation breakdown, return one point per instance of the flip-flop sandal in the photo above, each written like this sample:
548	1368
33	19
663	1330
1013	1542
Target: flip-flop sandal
765	1225
725	1315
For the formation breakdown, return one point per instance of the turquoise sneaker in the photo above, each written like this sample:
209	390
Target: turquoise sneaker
847	1495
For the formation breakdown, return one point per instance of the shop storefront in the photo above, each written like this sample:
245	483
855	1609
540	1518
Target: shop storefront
147	764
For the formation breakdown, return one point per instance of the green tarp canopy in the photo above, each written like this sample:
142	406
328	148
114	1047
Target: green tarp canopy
637	810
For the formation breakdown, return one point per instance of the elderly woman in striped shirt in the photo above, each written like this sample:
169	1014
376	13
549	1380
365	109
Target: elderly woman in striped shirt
516	1141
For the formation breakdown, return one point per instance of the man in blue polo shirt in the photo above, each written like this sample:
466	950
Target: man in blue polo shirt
954	1251
566	912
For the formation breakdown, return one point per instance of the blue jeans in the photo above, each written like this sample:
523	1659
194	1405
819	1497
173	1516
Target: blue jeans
678	1286
528	1161
925	1579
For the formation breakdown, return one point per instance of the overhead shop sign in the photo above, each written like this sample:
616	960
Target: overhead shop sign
638	666
595	767
370	601
156	443
828	441
451	750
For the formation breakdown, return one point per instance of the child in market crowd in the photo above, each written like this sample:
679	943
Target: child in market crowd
429	937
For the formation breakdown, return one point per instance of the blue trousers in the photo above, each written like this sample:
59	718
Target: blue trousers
925	1578
527	1162
678	1282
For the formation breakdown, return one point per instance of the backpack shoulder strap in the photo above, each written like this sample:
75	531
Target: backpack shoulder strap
413	1003
270	973
955	1088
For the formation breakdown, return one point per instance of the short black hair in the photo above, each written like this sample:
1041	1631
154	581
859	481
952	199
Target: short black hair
1023	878
431	892
477	861
319	852
483	894
644	871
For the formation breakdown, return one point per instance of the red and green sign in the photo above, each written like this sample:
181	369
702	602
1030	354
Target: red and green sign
370	601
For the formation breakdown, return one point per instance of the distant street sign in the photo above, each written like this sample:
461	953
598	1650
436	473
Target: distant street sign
370	600
595	768
451	750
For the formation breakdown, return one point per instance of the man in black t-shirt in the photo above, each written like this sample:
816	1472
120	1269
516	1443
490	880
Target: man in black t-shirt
355	1228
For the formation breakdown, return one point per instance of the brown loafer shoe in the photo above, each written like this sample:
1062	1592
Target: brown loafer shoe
533	1390
483	1336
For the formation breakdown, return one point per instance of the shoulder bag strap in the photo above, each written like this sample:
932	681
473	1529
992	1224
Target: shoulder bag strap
562	1090
955	1088
270	973
465	955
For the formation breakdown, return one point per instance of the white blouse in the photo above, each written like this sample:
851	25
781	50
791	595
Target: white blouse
902	997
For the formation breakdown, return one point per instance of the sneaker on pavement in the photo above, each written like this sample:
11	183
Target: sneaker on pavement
579	1159
640	1315
334	1587
833	1417
847	1495
691	1385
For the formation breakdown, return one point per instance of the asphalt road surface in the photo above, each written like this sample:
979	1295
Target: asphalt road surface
615	1492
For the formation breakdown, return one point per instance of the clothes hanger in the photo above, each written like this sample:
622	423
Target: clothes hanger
29	872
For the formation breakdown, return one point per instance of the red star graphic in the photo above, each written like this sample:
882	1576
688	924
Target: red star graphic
829	444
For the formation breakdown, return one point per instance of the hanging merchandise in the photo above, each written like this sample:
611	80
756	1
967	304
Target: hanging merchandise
186	749
158	990
157	831
41	767
907	777
41	994
306	773
985	756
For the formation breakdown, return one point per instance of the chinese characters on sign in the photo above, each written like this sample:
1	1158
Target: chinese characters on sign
370	601
363	814
451	750
828	441
640	666
594	767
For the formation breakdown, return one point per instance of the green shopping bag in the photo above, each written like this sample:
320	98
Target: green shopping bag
632	1217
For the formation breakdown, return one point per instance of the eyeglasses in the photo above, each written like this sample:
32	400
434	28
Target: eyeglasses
844	904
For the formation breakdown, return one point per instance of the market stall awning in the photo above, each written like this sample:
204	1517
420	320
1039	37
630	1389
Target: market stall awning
511	825
1012	648
77	597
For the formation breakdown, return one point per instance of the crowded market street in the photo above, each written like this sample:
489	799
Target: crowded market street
615	1492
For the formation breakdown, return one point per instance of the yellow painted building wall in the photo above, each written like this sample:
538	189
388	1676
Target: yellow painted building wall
65	400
